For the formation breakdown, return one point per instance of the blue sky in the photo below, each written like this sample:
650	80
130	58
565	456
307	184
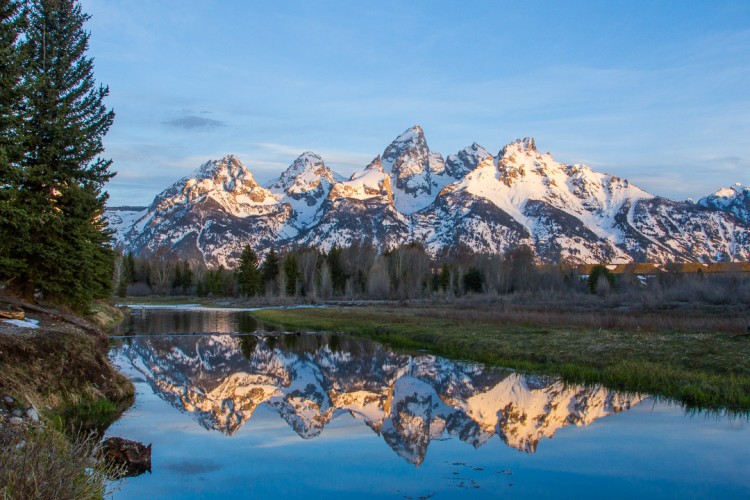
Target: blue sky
657	92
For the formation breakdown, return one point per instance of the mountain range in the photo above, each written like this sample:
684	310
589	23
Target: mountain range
472	199
310	380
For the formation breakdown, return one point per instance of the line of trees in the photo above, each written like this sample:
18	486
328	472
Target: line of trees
53	240
359	271
406	272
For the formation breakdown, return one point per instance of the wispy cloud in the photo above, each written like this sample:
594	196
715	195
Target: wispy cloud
194	122
336	157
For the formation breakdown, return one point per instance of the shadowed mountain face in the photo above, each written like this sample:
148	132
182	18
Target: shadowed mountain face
407	400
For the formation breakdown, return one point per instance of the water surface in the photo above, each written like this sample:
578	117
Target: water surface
243	413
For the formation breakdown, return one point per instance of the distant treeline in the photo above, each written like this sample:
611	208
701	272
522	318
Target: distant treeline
406	272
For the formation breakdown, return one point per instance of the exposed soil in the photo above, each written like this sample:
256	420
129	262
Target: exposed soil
62	362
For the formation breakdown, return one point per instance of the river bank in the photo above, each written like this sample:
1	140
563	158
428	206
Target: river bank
57	385
697	356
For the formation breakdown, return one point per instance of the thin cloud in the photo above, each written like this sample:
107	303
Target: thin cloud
336	157
194	122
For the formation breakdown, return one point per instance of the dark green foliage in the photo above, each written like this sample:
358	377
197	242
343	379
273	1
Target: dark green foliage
248	275
144	273
13	218
12	21
182	280
130	267
338	276
441	280
291	271
53	237
600	273
187	277
177	280
216	283
473	281
269	270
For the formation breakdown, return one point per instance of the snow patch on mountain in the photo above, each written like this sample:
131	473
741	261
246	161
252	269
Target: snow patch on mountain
734	199
122	219
409	193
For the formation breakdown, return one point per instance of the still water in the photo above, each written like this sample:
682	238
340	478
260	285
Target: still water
236	411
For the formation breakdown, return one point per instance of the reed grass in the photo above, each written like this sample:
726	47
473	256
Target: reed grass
698	360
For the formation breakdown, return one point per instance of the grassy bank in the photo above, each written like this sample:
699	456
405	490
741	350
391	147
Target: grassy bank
60	374
59	367
683	358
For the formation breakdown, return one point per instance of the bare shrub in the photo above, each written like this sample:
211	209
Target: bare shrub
378	279
38	463
326	282
308	270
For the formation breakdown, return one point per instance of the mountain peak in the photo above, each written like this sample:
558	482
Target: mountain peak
466	160
410	140
375	164
230	165
303	175
527	146
734	199
307	180
308	156
415	131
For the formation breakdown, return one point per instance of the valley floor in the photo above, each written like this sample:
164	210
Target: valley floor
694	353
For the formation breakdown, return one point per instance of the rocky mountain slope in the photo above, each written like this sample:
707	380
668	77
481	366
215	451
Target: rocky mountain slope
407	400
409	193
734	199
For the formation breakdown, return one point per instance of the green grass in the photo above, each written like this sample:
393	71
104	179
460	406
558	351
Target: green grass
85	416
701	369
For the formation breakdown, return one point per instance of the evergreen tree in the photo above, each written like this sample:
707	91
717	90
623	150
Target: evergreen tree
14	219
200	288
338	276
248	275
473	280
269	269
291	271
177	282
61	237
187	277
130	267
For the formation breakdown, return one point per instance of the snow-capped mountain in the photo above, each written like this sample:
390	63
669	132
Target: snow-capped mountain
407	400
305	186
734	199
408	193
210	215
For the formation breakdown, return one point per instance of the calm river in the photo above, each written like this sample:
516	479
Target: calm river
234	411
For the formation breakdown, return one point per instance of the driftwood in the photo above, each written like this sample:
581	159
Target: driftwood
12	314
68	318
131	458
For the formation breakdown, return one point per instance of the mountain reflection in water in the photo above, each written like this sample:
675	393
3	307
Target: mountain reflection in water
409	400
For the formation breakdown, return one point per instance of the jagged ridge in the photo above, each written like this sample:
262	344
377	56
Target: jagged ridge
408	400
472	199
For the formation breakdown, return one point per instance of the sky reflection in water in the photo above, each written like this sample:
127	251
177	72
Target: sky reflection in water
332	416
